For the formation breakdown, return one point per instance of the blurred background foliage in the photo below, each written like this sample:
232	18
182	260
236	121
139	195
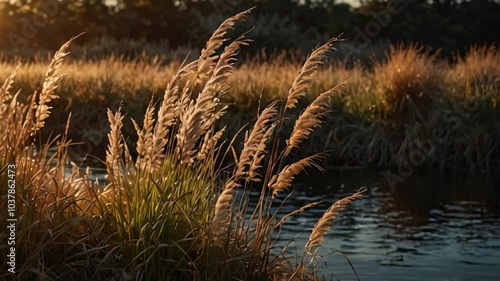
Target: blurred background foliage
447	25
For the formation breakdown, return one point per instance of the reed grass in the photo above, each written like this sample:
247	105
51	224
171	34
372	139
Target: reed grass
56	230
382	107
477	73
408	74
171	212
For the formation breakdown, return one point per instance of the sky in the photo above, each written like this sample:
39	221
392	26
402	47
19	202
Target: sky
351	2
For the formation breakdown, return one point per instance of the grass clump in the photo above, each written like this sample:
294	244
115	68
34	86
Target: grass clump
385	106
409	77
172	212
56	227
478	73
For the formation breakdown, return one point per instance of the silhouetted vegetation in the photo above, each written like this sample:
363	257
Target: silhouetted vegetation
449	25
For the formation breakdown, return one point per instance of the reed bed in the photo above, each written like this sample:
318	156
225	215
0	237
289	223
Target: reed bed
169	211
384	109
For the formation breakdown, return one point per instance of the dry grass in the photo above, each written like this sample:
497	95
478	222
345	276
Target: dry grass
478	73
302	83
410	75
407	89
325	222
310	119
168	213
54	207
173	212
284	179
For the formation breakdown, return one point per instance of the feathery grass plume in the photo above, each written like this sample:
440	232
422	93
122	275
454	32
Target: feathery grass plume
207	60
8	108
145	141
208	99
50	84
14	120
300	210
220	222
260	154
115	146
286	176
5	94
311	118
303	81
209	142
252	141
168	112
325	222
190	130
200	116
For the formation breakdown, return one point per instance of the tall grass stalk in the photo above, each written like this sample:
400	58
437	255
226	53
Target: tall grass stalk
170	213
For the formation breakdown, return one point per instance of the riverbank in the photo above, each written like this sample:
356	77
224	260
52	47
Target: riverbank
410	109
171	212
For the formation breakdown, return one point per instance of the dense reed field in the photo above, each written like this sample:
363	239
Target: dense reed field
171	211
411	102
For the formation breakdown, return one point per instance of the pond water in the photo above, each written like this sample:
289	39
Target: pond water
422	229
425	228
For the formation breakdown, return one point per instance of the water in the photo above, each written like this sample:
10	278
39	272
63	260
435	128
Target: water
423	229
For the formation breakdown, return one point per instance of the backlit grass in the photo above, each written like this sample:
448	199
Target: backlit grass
403	98
171	211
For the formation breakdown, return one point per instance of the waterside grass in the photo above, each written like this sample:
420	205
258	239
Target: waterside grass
170	212
383	113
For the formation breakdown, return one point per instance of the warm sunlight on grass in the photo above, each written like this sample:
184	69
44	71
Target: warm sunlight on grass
172	211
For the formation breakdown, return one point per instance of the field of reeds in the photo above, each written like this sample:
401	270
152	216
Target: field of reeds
411	108
173	209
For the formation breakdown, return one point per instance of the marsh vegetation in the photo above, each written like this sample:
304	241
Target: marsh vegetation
190	144
172	212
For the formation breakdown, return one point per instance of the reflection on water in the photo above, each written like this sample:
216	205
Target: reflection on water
424	229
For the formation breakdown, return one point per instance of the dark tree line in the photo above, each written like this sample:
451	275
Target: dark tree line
446	24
